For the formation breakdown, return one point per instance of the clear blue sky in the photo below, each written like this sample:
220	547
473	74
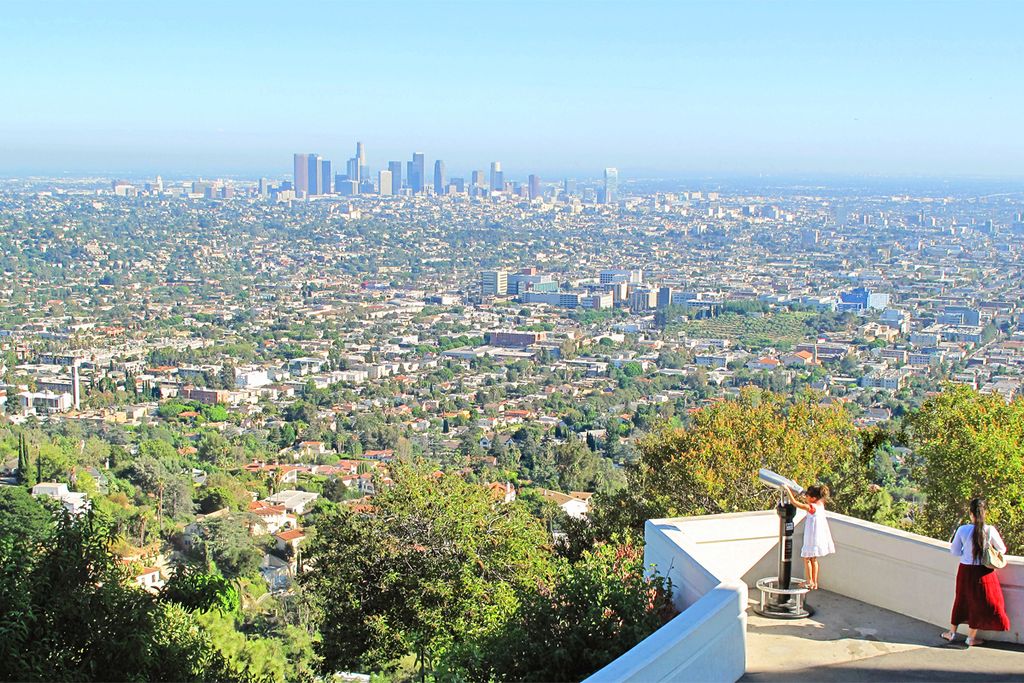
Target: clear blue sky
670	88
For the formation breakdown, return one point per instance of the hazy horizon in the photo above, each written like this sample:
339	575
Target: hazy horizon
902	90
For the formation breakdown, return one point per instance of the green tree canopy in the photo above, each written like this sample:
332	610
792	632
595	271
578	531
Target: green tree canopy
580	617
711	466
969	444
69	613
227	543
436	563
22	516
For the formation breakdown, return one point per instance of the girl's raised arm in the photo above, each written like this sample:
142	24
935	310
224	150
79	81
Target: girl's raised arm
803	506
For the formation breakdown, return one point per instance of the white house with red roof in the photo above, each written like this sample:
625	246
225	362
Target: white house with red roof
270	518
289	540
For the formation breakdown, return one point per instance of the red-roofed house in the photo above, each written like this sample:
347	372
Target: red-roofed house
289	539
799	359
386	455
764	363
270	518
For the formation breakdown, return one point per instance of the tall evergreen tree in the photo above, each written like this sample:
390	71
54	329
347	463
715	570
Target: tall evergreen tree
24	468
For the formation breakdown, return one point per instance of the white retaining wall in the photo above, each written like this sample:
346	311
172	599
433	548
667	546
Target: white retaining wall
707	640
908	573
712	560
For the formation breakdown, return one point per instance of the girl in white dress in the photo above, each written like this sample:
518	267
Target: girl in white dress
817	537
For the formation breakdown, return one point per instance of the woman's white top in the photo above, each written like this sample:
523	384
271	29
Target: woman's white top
817	537
963	543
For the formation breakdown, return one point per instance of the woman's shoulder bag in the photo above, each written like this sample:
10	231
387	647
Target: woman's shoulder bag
990	557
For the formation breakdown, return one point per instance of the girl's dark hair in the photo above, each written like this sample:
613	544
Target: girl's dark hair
819	491
978	535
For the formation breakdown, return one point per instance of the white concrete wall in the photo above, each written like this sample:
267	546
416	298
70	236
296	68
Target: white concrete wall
707	640
739	545
712	560
672	554
908	573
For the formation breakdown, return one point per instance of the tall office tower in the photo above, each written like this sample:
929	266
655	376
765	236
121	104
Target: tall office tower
301	173
569	187
264	187
440	177
352	169
494	282
458	183
361	159
315	182
384	182
664	297
611	185
497	179
408	175
396	175
325	176
339	178
418	174
477	183
534	186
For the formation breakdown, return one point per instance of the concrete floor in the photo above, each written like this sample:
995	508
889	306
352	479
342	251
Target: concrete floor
848	640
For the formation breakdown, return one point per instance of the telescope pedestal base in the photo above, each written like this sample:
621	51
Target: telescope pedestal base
782	603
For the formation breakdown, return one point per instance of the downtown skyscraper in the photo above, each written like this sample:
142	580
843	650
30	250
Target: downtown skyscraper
611	186
384	183
325	177
314	175
361	161
477	183
396	175
300	173
355	168
440	177
417	173
497	177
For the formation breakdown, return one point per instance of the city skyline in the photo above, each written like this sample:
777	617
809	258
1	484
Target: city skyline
659	90
311	176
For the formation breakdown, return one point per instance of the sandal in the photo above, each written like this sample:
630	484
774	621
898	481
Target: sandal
971	642
948	635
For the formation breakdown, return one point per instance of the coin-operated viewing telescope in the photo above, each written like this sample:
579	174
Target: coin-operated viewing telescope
777	481
779	600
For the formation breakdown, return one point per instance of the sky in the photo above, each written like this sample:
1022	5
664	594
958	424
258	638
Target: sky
657	89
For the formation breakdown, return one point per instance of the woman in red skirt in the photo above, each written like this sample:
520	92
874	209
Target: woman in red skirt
979	598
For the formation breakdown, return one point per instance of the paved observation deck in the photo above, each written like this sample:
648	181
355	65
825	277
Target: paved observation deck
886	596
849	640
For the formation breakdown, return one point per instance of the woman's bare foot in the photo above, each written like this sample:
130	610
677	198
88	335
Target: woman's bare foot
948	635
971	642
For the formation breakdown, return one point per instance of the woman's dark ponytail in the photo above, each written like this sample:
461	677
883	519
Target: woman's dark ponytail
978	535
